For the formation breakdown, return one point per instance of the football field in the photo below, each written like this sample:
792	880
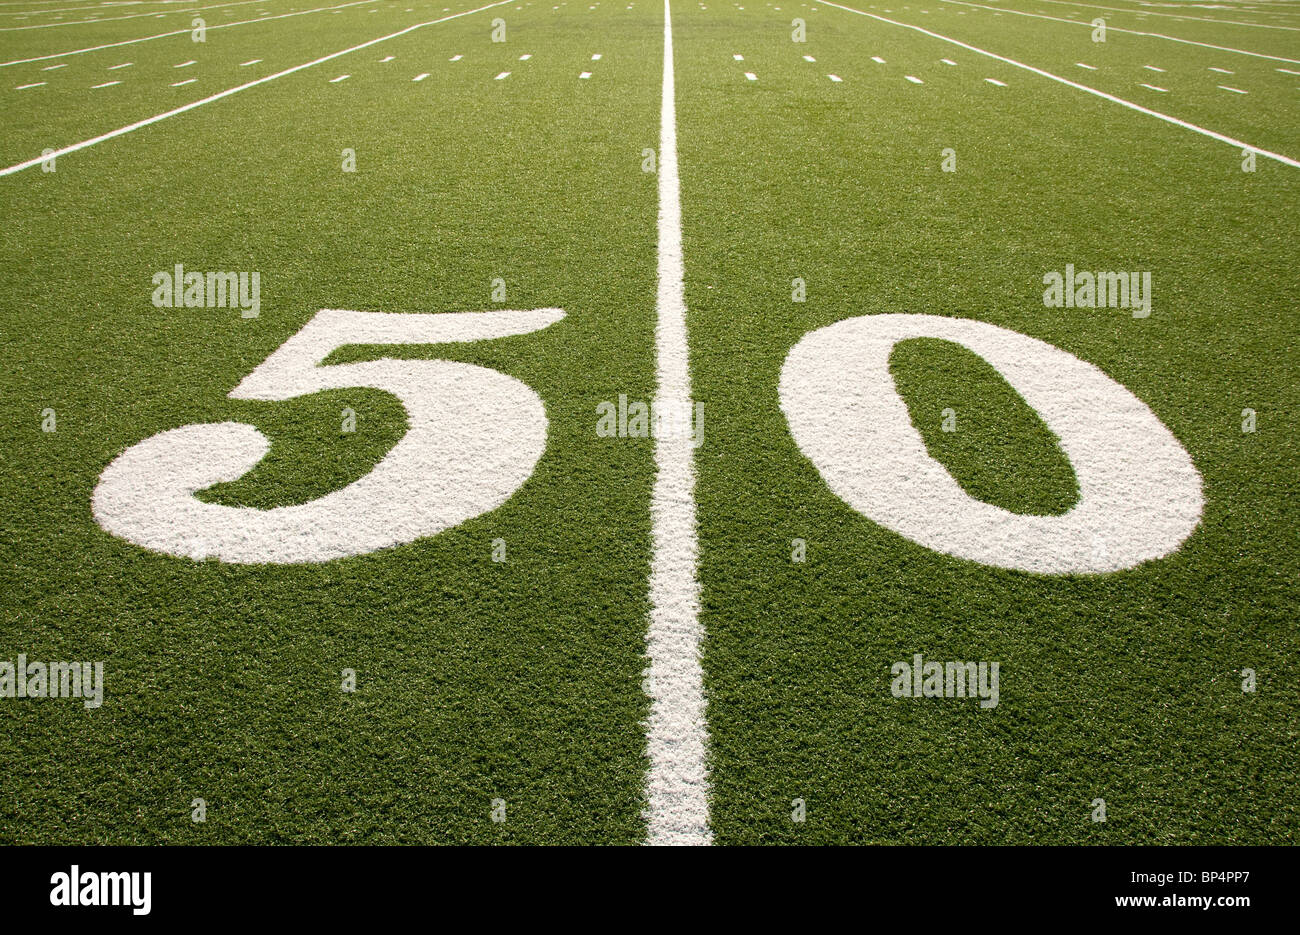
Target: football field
649	421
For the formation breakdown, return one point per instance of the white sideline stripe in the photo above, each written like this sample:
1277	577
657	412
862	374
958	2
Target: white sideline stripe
504	74
1231	141
835	77
1198	19
180	84
1089	67
677	783
914	79
251	61
1233	90
1131	32
585	74
420	77
24	87
751	76
1154	88
148	121
106	84
339	78
181	32
1000	84
110	19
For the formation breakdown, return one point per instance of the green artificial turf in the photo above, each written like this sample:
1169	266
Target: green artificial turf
522	680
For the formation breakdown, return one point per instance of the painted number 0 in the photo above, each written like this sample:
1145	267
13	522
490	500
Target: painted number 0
1139	493
444	471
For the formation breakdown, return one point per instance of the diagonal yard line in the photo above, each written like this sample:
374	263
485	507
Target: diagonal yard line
182	32
1131	32
1287	160
148	121
677	784
110	19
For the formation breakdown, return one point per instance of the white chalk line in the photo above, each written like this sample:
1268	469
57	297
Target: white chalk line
677	783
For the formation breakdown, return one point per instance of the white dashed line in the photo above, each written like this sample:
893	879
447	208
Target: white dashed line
1000	84
185	82
339	78
947	61
1233	90
52	67
1287	71
809	58
251	61
525	57
455	58
388	58
751	76
739	58
585	74
1089	67
1152	68
1222	71
186	64
24	87
504	74
123	65
877	59
420	77
1154	88
835	77
914	79
596	57
106	84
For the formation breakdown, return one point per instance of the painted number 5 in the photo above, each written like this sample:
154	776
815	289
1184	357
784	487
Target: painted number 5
445	470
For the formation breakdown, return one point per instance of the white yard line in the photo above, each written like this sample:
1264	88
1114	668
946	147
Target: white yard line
106	84
914	79
251	61
181	84
1233	90
1154	88
1231	141
420	77
1000	84
24	87
585	74
1152	68
835	78
181	32
677	784
809	58
1089	67
339	78
751	76
503	75
1222	71
947	61
52	67
1131	32
149	121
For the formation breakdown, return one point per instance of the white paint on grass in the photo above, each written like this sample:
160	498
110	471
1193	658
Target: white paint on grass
738	57
877	59
220	95
502	76
123	65
106	84
339	78
186	64
24	87
525	57
53	67
1139	492
1222	71
1152	68
455	58
1233	90
1154	88
914	79
474	437
387	58
1287	71
677	784
179	84
809	58
420	77
1089	67
751	76
835	78
1000	84
585	74
251	61
947	61
1222	138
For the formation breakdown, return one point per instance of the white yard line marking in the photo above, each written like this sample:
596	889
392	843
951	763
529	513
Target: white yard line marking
504	74
878	59
596	57
109	19
339	78
1222	138
1222	71
251	61
181	84
106	84
1152	68
914	79
1287	71
585	74
677	783
1131	32
738	57
186	64
455	58
809	58
1089	67
947	61
52	67
1233	90
24	87
123	65
525	57
1000	84
420	77
836	78
751	76
387	58
186	108
181	32
1154	88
